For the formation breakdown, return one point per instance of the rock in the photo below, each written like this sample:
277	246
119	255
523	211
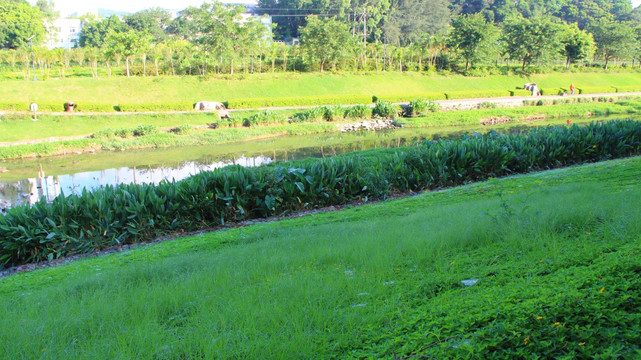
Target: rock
213	106
368	125
470	282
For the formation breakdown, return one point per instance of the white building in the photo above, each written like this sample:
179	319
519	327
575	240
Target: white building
64	33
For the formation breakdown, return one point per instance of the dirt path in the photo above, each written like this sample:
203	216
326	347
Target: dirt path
447	105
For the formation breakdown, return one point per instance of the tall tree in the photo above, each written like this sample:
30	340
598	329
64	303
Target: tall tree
530	40
408	20
613	39
473	37
576	44
154	21
95	32
126	44
222	31
19	22
325	40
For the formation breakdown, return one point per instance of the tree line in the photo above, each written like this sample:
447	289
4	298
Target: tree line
355	35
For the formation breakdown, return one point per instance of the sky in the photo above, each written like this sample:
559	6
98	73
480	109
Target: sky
67	7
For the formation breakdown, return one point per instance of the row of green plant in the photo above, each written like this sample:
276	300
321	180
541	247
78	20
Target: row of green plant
381	109
140	130
252	103
134	213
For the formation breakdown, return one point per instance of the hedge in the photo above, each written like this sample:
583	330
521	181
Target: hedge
134	213
596	89
298	101
473	94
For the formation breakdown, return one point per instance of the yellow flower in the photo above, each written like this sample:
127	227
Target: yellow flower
594	147
452	263
526	340
539	317
581	344
602	290
557	324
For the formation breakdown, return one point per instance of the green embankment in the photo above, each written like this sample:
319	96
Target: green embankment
556	255
176	93
14	128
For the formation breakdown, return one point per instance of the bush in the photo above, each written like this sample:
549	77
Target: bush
183	129
420	107
385	110
266	117
332	113
358	112
142	130
133	213
310	115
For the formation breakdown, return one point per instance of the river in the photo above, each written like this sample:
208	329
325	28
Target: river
27	181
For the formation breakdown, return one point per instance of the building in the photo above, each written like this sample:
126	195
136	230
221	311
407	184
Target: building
64	33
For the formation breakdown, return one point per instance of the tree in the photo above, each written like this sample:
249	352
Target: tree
614	39
48	10
576	44
530	40
473	37
126	44
154	21
221	30
96	31
409	19
19	21
325	40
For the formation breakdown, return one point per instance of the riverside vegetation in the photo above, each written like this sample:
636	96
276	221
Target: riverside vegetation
555	254
113	132
134	213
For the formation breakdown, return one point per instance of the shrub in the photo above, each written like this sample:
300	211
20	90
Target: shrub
142	130
332	113
266	117
358	112
309	115
384	109
420	107
183	129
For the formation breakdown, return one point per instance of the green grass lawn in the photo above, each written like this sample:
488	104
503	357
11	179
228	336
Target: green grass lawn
116	90
556	255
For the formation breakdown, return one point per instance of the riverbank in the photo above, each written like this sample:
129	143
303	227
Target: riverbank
403	269
194	129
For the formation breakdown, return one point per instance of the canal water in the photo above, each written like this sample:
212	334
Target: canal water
27	181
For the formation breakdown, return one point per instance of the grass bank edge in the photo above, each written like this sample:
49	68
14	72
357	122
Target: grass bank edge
119	215
239	133
228	235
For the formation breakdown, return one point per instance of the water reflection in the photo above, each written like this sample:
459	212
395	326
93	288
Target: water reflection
32	190
153	166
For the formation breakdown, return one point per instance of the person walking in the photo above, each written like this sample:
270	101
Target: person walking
572	89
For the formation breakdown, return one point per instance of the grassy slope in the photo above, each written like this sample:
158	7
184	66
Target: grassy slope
557	255
191	89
